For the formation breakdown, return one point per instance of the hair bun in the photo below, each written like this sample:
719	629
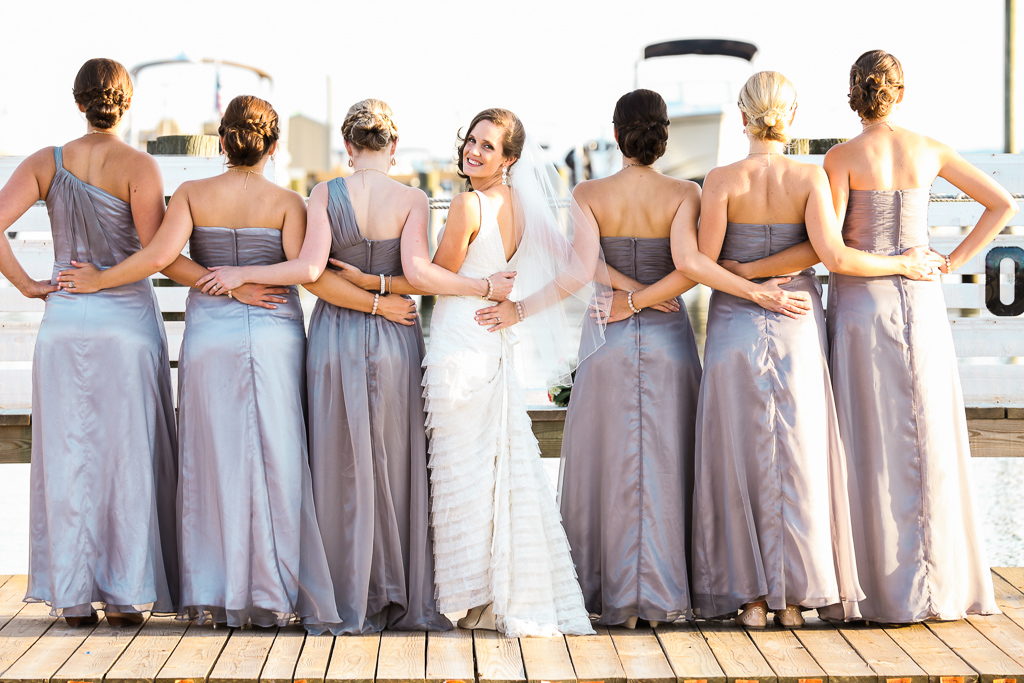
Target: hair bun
248	128
103	88
368	125
876	79
641	121
767	98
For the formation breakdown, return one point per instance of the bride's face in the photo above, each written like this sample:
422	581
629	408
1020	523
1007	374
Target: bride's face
482	156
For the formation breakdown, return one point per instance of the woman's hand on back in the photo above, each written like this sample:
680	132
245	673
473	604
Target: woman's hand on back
263	296
221	280
81	278
357	277
501	286
921	263
397	309
769	296
38	289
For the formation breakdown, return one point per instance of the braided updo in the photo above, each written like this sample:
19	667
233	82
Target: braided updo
369	125
248	128
876	79
641	120
104	88
767	98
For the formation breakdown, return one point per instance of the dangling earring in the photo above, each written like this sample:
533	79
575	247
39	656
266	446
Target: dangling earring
393	162
504	175
273	156
351	164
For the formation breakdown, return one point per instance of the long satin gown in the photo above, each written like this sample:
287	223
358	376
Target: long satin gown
771	511
627	454
498	537
368	447
251	551
102	517
901	415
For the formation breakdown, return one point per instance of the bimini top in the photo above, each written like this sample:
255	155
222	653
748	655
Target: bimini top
702	46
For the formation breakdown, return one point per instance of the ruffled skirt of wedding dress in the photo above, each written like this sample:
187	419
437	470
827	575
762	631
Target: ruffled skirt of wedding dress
498	536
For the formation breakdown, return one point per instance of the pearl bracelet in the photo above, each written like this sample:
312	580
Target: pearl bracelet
490	288
949	266
376	300
382	283
629	300
520	311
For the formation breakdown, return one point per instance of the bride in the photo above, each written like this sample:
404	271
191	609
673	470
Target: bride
499	547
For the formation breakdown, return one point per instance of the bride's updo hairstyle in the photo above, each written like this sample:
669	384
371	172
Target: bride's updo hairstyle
876	79
103	87
641	120
768	98
369	125
248	128
512	139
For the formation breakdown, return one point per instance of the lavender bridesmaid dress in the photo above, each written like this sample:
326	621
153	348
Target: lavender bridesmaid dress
368	448
627	454
250	547
901	415
771	512
104	467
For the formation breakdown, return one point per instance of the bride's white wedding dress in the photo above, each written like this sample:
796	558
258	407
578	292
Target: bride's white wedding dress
498	535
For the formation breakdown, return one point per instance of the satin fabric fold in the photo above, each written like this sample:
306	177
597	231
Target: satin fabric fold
103	477
626	486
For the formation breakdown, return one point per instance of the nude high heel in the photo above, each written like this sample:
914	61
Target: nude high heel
479	618
630	623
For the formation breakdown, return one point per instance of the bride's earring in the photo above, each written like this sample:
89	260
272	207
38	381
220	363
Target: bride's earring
351	164
504	175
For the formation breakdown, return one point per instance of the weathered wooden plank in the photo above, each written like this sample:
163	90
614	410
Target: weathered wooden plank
18	635
987	336
313	661
999	438
47	654
931	654
688	654
450	656
148	652
354	658
12	595
547	659
641	655
402	657
15	441
989	661
1003	632
498	658
594	658
834	655
244	655
1009	599
283	655
97	654
884	656
736	653
787	656
992	385
1013	575
195	656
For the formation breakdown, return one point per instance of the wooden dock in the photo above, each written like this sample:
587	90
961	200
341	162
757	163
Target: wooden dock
36	648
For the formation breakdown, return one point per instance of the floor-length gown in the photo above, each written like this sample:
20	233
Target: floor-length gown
250	547
901	416
771	510
102	519
498	537
627	454
368	447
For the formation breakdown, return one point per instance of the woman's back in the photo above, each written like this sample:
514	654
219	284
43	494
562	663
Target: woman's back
380	205
884	159
237	200
640	203
766	189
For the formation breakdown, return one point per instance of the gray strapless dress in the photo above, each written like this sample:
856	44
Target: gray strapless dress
368	448
627	454
250	547
901	415
102	515
771	513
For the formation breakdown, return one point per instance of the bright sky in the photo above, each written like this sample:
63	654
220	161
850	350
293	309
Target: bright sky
560	65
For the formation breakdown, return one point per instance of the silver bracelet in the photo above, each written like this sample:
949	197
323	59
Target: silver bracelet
490	288
520	311
382	283
629	300
376	300
391	279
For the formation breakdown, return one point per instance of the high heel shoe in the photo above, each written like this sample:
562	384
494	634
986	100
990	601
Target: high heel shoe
630	623
755	617
124	618
479	618
75	622
789	617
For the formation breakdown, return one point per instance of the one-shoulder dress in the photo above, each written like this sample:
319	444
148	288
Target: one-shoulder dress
627	454
901	416
102	515
498	537
368	447
771	509
251	551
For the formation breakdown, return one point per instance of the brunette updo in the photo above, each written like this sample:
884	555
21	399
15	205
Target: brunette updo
512	140
248	128
876	80
768	98
641	120
369	125
104	88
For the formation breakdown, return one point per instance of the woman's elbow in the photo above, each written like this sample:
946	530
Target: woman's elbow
687	265
417	277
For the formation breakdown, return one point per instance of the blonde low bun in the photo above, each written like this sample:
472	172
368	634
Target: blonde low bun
768	99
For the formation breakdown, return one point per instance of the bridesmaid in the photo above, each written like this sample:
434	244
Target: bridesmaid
103	442
894	368
772	527
627	481
250	548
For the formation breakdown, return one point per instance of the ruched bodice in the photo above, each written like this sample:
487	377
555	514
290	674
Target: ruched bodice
348	243
886	221
88	224
236	246
645	259
745	242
